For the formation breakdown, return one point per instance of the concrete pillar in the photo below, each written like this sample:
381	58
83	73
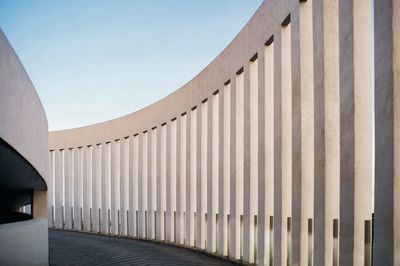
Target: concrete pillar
141	183
190	175
202	173
269	84
96	186
240	167
104	187
68	188
133	184
58	185
212	171
223	168
176	177
198	221
163	181
347	134
87	188
232	233
247	171
260	229
363	123
183	156
307	130
287	141
115	174
277	219
77	188
170	184
50	189
387	148
154	185
332	131
103	198
124	184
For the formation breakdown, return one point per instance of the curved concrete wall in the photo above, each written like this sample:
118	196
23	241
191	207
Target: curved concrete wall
266	156
23	161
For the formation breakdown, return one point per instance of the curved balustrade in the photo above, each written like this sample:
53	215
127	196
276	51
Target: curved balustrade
23	165
266	156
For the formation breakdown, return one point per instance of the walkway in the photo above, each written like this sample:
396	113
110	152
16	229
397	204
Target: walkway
73	248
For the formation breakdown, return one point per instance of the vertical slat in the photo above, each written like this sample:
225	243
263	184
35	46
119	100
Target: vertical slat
191	179
307	124
68	188
86	186
96	186
197	177
50	189
278	221
155	184
183	178
213	171
185	174
261	222
124	183
332	126
363	122
78	158
178	179
232	224
224	167
239	89
115	169
287	140
202	176
163	181
168	229
104	187
58	186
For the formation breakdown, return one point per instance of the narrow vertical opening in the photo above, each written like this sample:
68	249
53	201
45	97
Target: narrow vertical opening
289	241
118	222
63	217
228	223
137	223
367	243
335	242
216	232
241	237
155	225
205	230
174	226
255	238
195	227
310	242
271	240
91	219
99	231
127	222
109	221
165	226
145	224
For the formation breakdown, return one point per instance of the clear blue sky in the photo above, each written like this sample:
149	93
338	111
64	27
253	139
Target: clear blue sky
92	61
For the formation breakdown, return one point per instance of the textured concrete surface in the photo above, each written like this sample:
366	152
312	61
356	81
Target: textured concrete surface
73	248
23	162
24	243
